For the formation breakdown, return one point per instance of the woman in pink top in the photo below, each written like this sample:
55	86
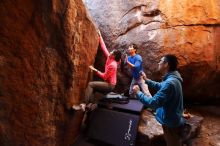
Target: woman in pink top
109	75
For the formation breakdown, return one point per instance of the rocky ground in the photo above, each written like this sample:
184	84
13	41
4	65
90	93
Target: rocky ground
210	130
209	134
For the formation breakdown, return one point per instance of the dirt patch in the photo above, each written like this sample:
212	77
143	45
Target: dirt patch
210	130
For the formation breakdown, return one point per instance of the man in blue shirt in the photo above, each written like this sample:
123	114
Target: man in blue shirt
134	61
168	101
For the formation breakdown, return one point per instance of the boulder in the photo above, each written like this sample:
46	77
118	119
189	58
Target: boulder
190	30
150	132
46	47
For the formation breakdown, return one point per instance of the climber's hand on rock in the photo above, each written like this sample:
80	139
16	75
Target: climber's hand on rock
126	58
92	68
99	33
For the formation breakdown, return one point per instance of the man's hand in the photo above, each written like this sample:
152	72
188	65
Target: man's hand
143	75
136	89
128	63
92	68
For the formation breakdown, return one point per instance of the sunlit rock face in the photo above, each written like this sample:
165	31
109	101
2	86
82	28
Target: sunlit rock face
188	29
45	50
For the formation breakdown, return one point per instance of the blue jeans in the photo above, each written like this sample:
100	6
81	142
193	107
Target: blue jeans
141	83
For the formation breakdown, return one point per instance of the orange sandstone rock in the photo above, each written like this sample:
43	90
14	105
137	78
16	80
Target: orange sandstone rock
45	50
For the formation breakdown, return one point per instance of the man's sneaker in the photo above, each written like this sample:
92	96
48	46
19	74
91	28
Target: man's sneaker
81	106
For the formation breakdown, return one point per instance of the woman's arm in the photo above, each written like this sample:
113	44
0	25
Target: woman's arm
103	46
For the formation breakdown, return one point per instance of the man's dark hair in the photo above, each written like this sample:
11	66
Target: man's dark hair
117	55
172	61
134	46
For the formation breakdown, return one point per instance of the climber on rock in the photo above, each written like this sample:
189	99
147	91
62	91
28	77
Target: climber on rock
134	62
109	75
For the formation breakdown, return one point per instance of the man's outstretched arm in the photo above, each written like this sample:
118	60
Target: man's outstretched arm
157	100
150	83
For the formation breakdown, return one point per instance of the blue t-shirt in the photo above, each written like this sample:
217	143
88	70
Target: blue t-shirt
137	61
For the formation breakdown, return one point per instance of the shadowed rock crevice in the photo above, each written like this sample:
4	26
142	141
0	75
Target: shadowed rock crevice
176	26
205	25
140	24
138	16
136	8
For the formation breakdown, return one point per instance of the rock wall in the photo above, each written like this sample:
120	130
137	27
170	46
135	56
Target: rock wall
46	47
190	30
